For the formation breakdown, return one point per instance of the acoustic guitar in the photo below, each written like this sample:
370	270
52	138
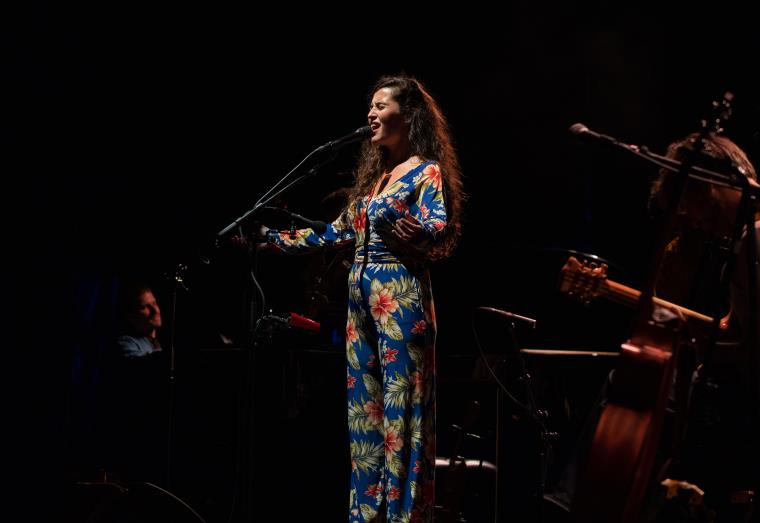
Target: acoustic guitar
587	280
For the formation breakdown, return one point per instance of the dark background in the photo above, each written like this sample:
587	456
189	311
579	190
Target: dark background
133	132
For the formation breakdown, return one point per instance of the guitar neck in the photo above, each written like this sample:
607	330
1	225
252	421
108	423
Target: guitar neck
629	296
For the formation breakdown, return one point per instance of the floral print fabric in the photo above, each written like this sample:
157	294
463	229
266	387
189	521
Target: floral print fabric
390	349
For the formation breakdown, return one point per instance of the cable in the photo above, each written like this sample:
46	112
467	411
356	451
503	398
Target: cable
490	370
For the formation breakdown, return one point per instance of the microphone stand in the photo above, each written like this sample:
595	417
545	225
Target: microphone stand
178	281
530	410
538	417
732	180
246	480
264	200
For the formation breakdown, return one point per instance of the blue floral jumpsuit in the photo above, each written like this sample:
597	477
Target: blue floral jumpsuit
390	347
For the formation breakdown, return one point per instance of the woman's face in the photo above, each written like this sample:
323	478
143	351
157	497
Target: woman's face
388	126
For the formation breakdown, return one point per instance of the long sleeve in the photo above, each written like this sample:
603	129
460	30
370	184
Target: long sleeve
430	207
337	233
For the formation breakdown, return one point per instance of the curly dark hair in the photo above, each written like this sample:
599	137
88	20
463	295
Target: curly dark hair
430	139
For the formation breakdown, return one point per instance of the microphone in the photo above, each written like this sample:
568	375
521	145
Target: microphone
293	321
360	134
296	321
318	226
584	133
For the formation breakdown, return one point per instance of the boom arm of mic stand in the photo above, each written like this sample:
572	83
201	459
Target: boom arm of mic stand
733	180
260	205
269	197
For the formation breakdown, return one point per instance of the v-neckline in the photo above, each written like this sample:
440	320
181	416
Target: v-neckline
397	180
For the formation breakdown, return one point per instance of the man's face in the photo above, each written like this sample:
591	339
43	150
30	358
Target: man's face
146	315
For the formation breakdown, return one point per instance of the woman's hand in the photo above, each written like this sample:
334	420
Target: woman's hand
408	229
261	234
407	235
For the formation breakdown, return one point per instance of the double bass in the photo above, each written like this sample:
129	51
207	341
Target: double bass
619	467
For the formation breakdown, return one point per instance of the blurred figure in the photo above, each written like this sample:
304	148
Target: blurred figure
720	449
143	318
134	403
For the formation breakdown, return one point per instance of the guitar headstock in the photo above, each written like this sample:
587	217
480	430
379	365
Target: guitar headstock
585	280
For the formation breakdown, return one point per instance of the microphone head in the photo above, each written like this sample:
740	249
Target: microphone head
578	129
361	133
364	132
